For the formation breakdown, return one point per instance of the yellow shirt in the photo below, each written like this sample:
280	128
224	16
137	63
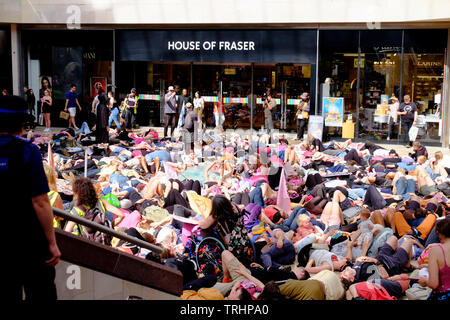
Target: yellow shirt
334	290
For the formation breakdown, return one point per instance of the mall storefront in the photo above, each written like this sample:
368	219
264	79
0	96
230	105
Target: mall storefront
236	68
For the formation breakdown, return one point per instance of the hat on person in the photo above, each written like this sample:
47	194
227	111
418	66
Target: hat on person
317	156
133	90
304	95
171	88
14	106
188	105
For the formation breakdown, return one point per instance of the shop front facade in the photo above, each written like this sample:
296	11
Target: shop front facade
236	67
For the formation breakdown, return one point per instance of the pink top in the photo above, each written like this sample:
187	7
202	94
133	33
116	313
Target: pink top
131	219
303	232
444	275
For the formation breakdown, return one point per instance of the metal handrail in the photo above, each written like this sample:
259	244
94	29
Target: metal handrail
111	232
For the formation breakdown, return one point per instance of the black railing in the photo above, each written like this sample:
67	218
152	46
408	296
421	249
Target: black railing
106	230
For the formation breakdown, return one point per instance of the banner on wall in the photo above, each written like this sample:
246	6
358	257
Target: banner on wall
96	83
333	111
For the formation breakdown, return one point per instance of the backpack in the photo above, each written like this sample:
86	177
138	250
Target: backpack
96	215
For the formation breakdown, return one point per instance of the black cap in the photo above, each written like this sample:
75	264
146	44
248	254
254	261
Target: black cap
133	90
14	106
393	151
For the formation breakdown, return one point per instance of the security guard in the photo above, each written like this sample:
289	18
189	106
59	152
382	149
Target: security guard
30	251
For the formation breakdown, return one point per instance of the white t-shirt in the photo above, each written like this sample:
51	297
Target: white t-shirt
198	102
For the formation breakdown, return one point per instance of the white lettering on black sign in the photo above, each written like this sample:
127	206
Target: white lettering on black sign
211	45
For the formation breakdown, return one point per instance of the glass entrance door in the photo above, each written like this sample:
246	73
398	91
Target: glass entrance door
228	85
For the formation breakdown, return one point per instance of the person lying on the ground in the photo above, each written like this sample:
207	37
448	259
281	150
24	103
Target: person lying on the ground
279	253
425	184
238	278
394	287
391	260
320	260
438	165
222	170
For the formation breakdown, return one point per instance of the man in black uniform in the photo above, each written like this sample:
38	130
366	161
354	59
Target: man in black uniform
30	252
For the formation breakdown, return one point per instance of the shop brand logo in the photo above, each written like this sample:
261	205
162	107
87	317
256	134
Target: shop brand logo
89	55
429	63
211	45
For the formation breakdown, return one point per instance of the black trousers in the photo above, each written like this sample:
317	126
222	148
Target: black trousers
130	119
37	280
193	185
174	197
353	155
406	126
313	180
374	199
242	198
301	124
169	119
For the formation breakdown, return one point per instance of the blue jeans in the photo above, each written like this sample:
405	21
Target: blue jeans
256	196
405	186
291	222
304	242
356	193
114	116
119	179
408	167
85	128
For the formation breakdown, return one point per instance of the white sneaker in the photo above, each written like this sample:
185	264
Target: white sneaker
388	139
76	129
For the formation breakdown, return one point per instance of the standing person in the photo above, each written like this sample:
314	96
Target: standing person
114	108
393	110
269	106
199	106
46	108
31	260
182	100
189	126
45	85
71	105
131	104
218	115
31	100
408	112
302	114
95	101
170	111
101	125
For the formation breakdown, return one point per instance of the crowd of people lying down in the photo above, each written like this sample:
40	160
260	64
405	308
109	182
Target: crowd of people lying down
310	221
